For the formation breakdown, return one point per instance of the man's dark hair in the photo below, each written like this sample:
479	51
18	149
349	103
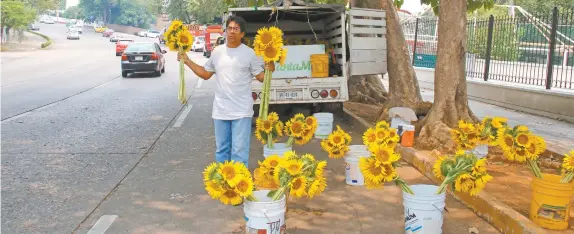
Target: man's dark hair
238	20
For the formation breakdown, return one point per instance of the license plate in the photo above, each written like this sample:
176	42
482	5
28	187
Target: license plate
289	95
139	58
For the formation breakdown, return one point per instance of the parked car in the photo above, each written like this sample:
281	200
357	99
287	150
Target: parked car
143	57
142	33
115	37
198	44
108	33
78	28
49	21
34	27
73	34
121	46
152	33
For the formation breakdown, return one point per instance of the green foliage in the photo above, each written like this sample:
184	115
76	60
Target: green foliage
544	7
472	5
48	39
505	40
73	12
133	14
16	14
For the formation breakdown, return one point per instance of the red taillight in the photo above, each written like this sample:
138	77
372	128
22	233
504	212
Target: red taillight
254	96
154	56
124	57
324	93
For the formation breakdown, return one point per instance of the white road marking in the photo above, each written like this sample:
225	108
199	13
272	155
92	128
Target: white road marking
199	83
183	115
102	224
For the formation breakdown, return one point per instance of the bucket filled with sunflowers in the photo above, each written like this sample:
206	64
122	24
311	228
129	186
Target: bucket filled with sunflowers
276	178
551	194
298	130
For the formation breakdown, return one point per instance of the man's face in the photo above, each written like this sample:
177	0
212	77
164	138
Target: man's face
234	34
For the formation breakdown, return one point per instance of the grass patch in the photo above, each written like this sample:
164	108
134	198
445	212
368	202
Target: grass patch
48	39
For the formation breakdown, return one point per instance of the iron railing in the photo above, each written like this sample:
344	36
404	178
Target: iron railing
524	49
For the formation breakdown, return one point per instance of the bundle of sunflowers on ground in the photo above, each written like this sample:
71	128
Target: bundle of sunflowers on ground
178	38
229	182
292	175
475	138
337	143
299	129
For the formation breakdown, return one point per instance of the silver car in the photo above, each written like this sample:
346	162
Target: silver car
143	57
73	34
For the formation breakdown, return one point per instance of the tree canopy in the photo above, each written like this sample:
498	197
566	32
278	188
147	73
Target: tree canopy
137	13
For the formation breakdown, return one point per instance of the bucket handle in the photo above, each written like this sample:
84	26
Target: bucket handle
445	209
264	212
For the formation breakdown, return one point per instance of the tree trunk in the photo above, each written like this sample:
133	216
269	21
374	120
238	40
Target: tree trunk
450	98
403	84
368	88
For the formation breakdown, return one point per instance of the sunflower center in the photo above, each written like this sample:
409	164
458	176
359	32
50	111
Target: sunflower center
532	149
183	39
508	141
309	121
293	167
296	128
372	138
380	135
230	193
337	139
270	52
297	184
522	139
273	163
521	152
392	134
572	163
375	170
383	155
228	172
242	186
266	38
267	124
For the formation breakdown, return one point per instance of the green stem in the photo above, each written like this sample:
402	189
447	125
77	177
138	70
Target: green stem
567	178
267	81
290	141
278	194
252	198
264	94
270	141
181	93
534	168
404	186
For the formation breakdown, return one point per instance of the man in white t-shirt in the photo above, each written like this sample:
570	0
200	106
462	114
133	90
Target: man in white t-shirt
235	65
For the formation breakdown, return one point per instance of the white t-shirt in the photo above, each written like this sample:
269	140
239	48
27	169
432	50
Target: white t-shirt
234	70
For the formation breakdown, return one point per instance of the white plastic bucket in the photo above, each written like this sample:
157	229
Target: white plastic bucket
324	124
278	148
423	211
480	151
353	175
264	214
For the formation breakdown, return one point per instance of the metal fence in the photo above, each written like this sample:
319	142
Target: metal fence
525	49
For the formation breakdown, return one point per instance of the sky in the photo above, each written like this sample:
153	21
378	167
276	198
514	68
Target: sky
412	6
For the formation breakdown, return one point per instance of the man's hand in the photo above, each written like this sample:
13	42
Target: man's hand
182	55
270	66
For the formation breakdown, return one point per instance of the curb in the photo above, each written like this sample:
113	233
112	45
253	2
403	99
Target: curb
495	212
48	39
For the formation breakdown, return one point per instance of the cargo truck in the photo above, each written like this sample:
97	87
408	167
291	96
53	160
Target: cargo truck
354	40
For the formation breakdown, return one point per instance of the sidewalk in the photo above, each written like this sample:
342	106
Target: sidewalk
165	192
559	135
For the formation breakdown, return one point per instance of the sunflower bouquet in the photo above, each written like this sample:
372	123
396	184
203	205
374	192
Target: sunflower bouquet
300	129
228	182
490	127
292	174
464	172
520	145
178	38
467	135
382	133
568	168
269	130
337	143
268	44
380	167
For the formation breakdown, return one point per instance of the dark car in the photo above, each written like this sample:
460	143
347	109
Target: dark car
143	57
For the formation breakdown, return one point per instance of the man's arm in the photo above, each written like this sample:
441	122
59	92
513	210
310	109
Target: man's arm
198	70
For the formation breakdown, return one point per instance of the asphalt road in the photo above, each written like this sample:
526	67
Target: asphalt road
85	150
